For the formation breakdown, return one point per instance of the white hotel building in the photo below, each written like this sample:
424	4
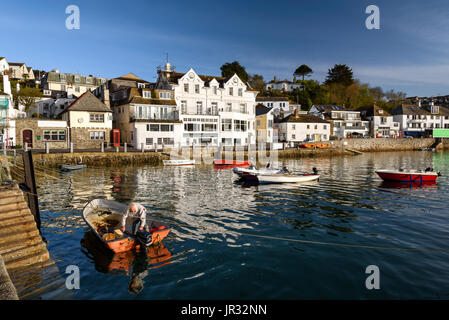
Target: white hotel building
214	110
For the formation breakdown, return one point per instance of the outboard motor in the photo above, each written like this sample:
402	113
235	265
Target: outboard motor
429	169
144	238
315	171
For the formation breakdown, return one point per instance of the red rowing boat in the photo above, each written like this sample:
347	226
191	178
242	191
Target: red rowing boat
408	176
222	164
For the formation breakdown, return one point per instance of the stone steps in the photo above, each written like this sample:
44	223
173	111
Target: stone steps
35	257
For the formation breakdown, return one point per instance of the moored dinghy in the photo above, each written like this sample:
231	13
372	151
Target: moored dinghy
71	167
287	177
104	216
409	176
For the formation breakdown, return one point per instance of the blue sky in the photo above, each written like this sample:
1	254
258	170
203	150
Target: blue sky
409	53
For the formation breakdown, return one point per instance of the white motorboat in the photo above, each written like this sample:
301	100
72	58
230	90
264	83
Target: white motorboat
286	178
252	171
178	162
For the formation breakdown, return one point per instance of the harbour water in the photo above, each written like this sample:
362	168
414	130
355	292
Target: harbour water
232	241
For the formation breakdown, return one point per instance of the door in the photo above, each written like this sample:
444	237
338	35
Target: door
28	138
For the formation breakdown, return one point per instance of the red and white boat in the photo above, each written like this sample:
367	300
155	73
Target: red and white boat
409	176
222	164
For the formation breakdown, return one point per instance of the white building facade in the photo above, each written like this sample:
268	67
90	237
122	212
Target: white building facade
214	110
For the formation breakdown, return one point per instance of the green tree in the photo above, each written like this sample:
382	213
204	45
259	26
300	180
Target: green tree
27	96
303	70
256	82
229	69
340	74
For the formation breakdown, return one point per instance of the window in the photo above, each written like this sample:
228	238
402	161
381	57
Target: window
229	107
154	127
97	135
164	95
166	127
140	85
240	125
231	91
186	87
316	126
243	108
226	125
215	90
170	141
77	79
308	126
77	89
146	94
54	135
214	108
209	127
325	127
293	136
96	117
197	88
258	123
240	92
89	80
270	123
199	107
183	107
62	77
149	141
293	126
62	87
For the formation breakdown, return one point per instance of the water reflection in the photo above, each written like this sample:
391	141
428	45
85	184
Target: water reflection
135	263
408	185
210	212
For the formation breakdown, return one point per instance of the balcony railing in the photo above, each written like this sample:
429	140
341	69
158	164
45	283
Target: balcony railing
157	116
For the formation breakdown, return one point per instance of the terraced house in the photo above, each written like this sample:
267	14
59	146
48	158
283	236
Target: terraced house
147	118
90	122
417	120
214	110
73	84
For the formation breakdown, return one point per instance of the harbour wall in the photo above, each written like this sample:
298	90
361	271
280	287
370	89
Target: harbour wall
206	155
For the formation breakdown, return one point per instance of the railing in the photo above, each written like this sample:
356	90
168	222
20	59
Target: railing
157	116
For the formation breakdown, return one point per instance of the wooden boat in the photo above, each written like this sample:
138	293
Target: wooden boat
408	176
107	261
178	162
225	164
71	167
104	216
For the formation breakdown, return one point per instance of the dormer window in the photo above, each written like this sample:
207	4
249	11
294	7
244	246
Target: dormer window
62	77
215	90
140	85
77	79
240	92
164	95
434	109
197	88
146	94
231	91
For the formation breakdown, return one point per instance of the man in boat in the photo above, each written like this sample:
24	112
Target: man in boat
138	213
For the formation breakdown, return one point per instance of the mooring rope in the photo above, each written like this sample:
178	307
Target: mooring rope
343	244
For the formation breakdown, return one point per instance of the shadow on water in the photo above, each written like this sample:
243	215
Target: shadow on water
134	263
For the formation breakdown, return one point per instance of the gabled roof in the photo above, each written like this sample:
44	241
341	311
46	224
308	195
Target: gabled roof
304	118
410	109
324	108
132	77
374	110
16	64
88	102
261	110
175	76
